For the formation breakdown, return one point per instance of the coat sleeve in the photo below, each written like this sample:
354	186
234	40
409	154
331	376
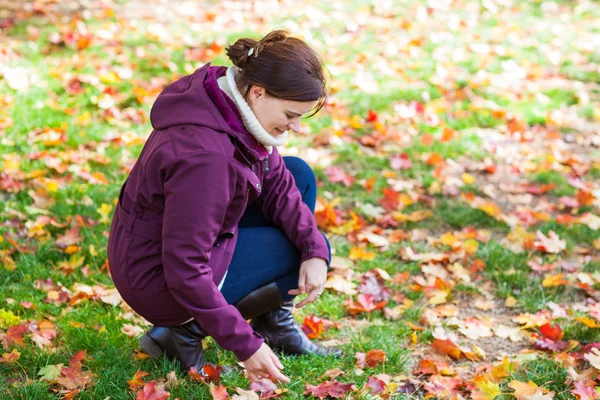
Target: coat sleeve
197	190
282	204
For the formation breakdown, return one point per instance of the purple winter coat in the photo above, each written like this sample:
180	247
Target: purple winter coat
175	226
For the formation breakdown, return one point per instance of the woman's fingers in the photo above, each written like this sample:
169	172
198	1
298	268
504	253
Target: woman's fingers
312	296
276	360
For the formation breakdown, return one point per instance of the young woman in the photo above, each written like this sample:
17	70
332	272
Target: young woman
213	227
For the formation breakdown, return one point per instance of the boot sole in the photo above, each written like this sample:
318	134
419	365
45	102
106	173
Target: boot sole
150	347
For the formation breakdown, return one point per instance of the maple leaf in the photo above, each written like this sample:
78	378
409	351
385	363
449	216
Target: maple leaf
337	174
358	253
50	372
443	387
264	386
132	330
313	327
371	359
447	347
593	357
218	392
378	383
210	373
73	377
584	392
332	388
364	304
137	382
10	358
151	391
371	284
14	335
70	237
549	244
554	333
485	390
245	395
400	161
43	333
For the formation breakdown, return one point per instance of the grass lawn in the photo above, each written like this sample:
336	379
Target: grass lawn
457	162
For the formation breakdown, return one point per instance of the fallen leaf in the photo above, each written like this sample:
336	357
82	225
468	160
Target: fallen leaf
137	382
326	389
151	391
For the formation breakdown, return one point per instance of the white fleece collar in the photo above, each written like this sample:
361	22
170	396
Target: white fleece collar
228	85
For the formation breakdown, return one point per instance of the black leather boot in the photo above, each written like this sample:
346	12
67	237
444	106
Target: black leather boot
282	333
182	343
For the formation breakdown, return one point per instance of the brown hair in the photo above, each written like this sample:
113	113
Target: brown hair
285	66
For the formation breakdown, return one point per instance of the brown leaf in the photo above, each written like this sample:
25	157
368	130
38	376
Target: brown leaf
71	237
10	358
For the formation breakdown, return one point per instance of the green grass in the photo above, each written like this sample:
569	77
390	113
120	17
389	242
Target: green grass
445	73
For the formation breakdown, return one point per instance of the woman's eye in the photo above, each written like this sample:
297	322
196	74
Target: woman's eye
289	116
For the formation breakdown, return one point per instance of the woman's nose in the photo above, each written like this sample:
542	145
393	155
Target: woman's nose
295	125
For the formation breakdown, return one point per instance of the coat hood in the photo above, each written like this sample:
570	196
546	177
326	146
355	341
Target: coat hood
196	99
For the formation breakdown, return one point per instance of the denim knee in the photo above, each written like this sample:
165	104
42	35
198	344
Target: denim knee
305	179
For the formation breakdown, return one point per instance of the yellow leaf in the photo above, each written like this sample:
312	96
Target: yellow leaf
486	390
523	389
448	239
356	122
76	324
510	302
439	297
554	280
52	186
470	246
72	249
93	251
412	217
468	179
357	253
589	322
104	211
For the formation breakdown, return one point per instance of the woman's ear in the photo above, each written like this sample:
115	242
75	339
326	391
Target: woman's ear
256	93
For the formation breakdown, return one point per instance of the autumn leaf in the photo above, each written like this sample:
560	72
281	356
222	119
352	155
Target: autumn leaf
554	333
312	327
447	347
10	358
218	392
371	359
549	244
151	391
137	382
364	303
50	372
326	389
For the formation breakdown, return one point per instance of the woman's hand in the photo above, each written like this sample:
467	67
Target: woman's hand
264	364
313	274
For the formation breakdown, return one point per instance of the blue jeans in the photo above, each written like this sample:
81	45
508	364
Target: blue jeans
263	254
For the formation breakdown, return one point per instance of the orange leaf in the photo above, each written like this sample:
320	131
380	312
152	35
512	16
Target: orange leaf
313	327
554	333
11	357
447	347
137	382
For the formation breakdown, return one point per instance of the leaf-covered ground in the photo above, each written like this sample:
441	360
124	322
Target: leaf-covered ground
458	164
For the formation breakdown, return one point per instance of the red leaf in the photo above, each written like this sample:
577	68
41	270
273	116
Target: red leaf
14	334
376	385
390	200
312	326
364	304
210	373
400	161
337	174
333	389
554	333
137	382
151	392
218	392
372	116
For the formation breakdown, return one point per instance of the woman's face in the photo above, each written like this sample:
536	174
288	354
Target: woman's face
276	115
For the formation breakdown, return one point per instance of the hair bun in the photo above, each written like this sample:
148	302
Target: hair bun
238	52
